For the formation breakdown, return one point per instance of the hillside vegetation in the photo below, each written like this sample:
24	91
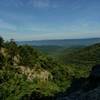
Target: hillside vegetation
87	55
28	74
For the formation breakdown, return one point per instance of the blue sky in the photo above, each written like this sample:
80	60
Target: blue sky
49	19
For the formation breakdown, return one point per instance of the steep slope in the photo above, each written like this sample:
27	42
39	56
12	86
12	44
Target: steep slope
84	88
26	72
87	55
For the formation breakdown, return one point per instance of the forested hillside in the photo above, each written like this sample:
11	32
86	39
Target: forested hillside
26	72
87	55
29	74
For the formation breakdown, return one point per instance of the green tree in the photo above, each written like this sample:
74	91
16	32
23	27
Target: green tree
28	55
12	51
1	43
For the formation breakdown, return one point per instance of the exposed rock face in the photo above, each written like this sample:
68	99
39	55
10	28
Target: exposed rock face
39	74
3	51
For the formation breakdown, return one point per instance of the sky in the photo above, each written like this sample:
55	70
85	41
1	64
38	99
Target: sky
49	19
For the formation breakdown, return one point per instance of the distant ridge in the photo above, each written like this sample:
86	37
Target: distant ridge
62	42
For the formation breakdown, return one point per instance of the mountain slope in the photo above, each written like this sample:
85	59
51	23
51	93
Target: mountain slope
26	73
87	55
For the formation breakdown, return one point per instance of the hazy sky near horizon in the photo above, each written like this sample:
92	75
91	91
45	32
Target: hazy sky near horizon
49	19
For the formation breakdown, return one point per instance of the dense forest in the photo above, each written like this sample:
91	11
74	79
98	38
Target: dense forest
28	73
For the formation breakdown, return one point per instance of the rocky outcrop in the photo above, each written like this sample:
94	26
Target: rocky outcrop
32	73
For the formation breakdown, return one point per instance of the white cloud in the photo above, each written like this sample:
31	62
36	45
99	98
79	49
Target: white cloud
41	3
44	4
28	3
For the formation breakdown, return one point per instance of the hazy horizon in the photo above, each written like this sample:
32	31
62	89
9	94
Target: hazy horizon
82	38
49	19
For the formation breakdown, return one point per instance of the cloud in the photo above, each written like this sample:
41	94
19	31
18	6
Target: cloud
41	3
44	4
30	3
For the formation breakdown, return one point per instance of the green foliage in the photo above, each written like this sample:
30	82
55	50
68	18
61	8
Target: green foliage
89	55
78	71
2	60
47	88
15	85
1	42
28	55
12	51
50	50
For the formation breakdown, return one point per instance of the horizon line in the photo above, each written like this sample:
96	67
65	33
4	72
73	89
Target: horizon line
59	39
